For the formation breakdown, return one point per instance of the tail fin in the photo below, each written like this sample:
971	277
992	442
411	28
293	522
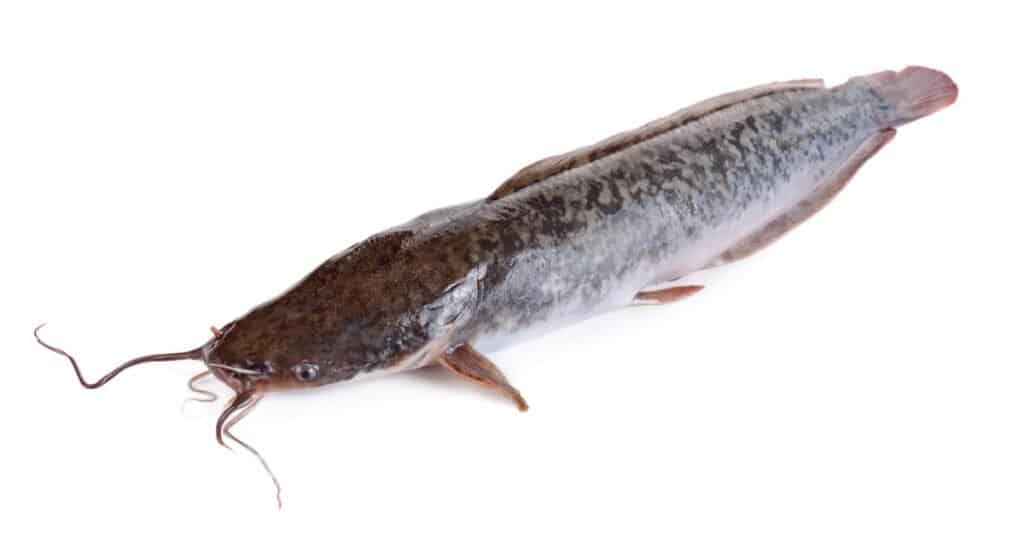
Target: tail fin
913	92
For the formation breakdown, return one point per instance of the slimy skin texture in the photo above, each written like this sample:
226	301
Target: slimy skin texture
576	235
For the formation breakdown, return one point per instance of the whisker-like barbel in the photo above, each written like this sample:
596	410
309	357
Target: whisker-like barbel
248	406
207	396
235	369
194	354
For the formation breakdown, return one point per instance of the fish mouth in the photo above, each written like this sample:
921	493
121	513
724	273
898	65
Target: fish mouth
238	378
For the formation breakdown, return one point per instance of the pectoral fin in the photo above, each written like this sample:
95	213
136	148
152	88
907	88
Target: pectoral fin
665	295
468	363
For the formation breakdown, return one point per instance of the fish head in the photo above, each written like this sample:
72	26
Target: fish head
372	309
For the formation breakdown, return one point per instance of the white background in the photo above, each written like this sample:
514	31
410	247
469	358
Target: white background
167	166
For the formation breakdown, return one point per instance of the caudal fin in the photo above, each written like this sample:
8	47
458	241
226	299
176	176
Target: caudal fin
913	92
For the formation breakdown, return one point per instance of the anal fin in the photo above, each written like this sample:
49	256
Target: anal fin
803	210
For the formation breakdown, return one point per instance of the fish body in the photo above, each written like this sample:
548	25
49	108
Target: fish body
564	239
582	233
590	238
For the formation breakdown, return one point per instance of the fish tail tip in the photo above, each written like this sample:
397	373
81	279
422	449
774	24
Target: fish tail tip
914	92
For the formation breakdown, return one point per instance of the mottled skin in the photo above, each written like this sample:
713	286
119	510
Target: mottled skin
562	242
592	237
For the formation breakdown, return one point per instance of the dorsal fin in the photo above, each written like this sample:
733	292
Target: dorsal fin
560	163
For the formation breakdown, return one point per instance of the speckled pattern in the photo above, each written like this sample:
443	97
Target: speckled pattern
574	239
588	239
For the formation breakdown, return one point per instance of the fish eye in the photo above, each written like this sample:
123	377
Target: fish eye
306	371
